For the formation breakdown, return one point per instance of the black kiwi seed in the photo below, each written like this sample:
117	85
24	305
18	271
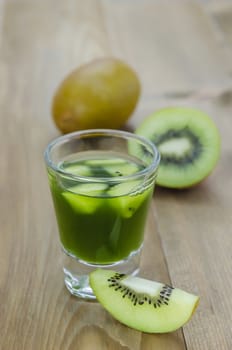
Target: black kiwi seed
127	291
131	209
119	287
112	285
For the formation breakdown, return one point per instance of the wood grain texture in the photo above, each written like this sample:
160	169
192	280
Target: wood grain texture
188	236
175	39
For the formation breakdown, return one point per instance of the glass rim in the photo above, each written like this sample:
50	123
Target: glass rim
151	168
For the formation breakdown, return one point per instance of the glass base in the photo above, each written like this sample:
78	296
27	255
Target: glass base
76	272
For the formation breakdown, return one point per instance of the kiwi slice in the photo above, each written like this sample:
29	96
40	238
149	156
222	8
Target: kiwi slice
127	197
82	197
124	188
78	169
142	304
123	170
89	189
105	162
188	142
112	167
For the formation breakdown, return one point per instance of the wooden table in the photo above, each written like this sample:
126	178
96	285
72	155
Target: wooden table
182	53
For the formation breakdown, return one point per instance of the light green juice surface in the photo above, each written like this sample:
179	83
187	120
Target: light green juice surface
100	222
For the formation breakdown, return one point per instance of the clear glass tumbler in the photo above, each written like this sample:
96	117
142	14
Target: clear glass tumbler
102	183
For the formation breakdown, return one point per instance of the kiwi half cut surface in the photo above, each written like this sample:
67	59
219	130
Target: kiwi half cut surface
188	142
142	304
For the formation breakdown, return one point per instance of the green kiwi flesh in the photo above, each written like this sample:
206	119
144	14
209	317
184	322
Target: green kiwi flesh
189	144
145	305
84	204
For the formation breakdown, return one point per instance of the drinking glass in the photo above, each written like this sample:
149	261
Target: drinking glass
101	183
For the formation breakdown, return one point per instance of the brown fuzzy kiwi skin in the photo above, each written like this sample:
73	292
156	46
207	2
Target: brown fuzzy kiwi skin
102	93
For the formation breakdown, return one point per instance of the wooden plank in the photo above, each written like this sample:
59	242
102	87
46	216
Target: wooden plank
196	239
165	36
222	14
194	229
187	241
39	46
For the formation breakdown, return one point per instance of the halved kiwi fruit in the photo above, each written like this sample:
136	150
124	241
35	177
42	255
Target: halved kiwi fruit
145	305
189	144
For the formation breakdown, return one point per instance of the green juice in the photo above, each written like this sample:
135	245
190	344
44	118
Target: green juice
100	221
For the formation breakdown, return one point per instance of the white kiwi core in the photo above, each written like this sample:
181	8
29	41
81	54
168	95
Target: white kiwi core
177	146
143	286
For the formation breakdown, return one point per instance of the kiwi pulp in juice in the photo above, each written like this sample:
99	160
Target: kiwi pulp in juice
100	222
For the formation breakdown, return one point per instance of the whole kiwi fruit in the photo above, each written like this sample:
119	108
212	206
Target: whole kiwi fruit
100	94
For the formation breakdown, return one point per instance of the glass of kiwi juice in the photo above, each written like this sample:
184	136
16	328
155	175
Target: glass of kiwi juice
101	183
